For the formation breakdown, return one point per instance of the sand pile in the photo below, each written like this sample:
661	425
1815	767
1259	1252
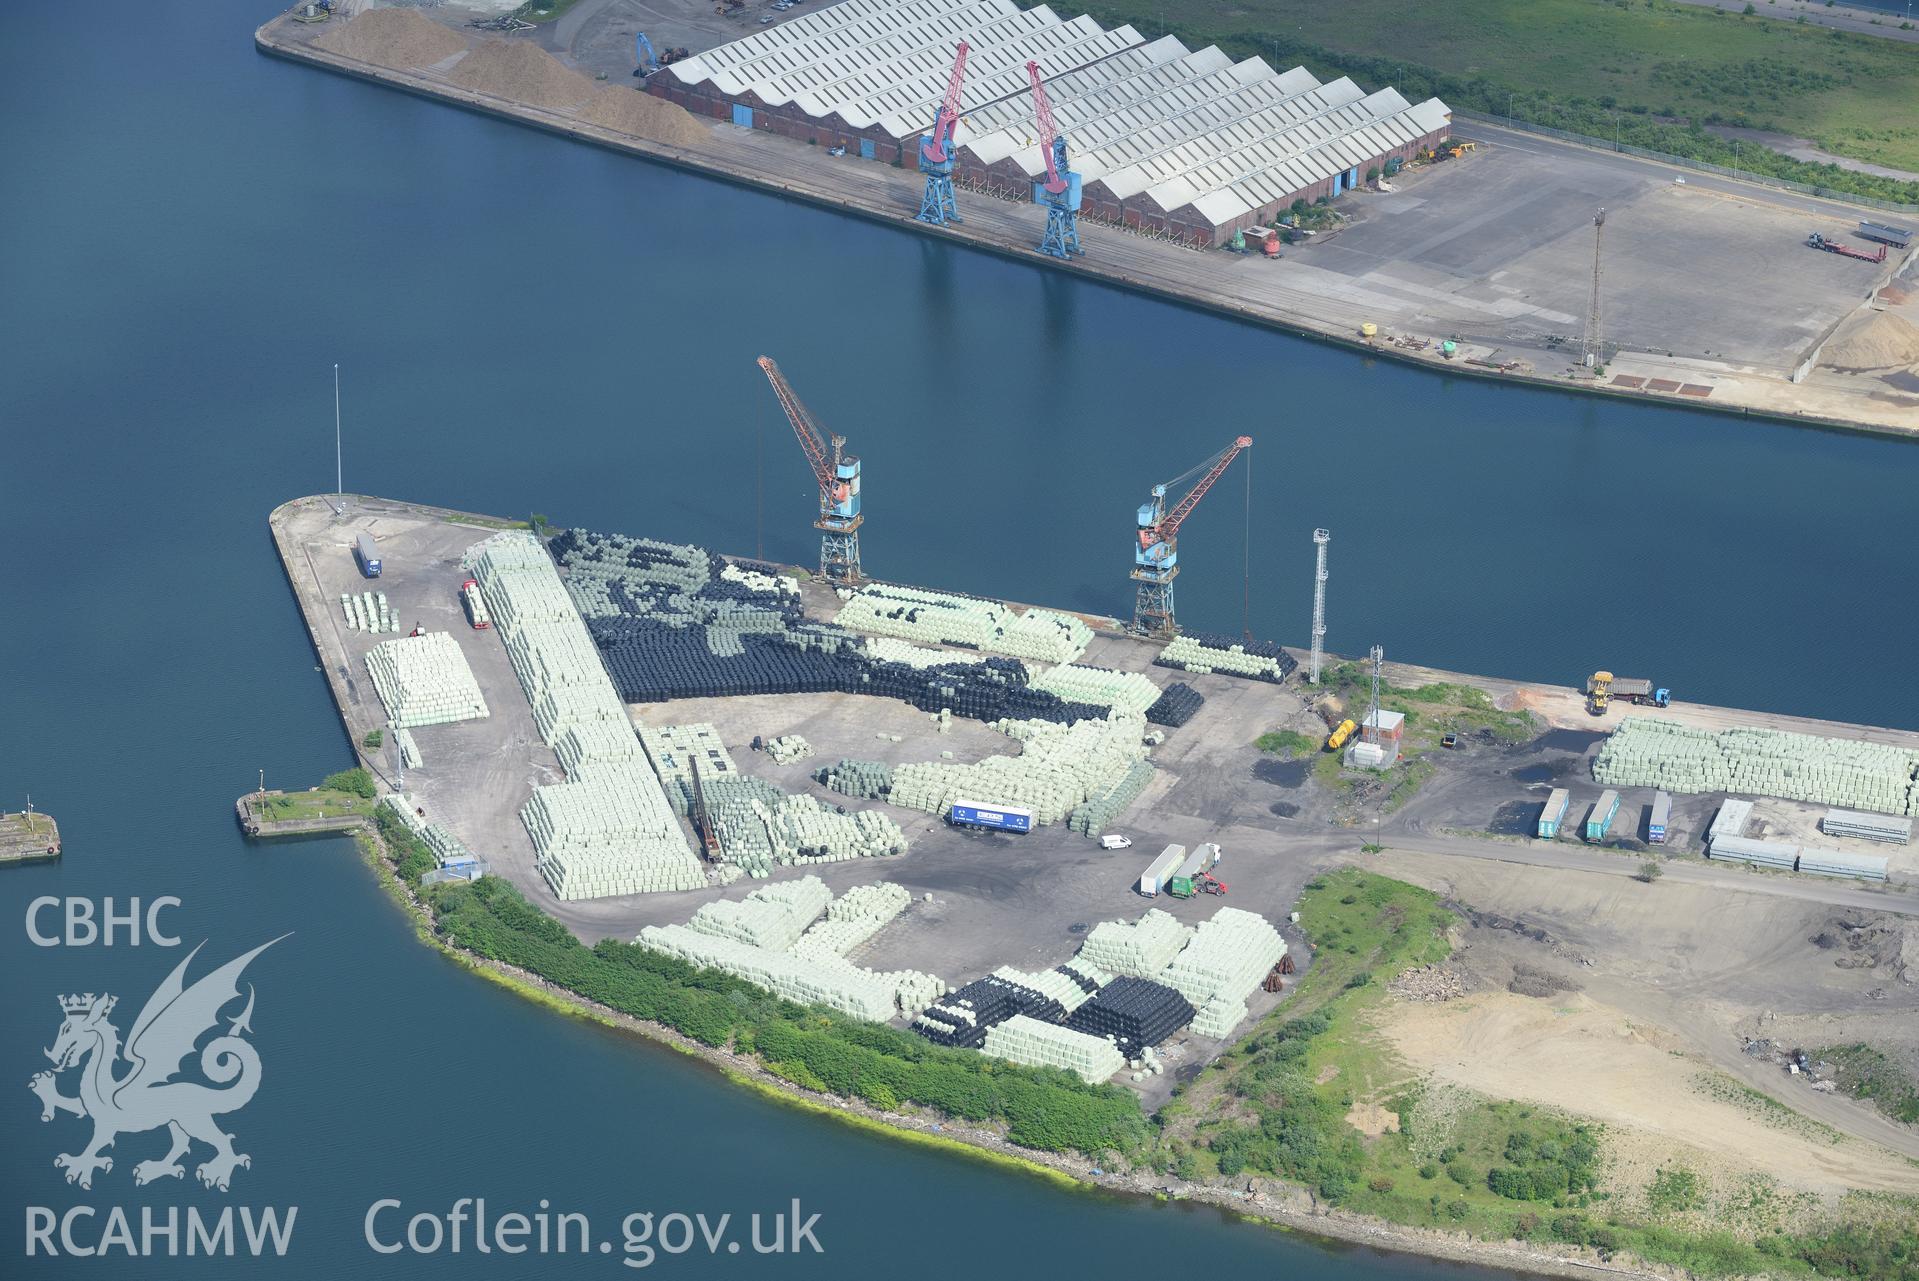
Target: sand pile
523	73
396	38
1874	340
644	116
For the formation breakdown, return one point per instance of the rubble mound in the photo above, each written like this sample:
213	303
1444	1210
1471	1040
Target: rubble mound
1529	980
1428	983
395	38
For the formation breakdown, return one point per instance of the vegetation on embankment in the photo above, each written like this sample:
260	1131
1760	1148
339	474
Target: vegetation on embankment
1043	1109
1286	1101
1868	1073
1431	712
1655	73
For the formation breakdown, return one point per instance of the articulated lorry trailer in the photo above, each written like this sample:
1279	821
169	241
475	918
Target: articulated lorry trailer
997	818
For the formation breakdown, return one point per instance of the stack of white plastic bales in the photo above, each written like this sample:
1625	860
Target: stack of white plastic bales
761	827
1099	811
1833	771
788	748
1141	949
609	829
773	916
867	780
1188	654
1026	1040
1221	966
755	939
1060	768
367	612
1057	983
1126	691
424	680
853	918
676	750
409	750
914	614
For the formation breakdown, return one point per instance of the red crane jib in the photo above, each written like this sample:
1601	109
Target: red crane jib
938	147
810	437
1169	526
1048	130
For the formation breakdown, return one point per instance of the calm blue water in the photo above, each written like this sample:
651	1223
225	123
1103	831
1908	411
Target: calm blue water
195	233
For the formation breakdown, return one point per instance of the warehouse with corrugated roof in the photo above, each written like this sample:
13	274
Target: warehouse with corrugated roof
1185	142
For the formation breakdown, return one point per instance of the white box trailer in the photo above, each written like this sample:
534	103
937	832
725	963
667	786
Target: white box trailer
1867	827
1203	859
1160	870
1741	849
1818	862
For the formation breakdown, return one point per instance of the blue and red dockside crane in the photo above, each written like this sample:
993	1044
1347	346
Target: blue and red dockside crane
838	475
1060	193
936	151
1156	557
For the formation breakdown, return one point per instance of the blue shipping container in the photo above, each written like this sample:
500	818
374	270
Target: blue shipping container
1003	818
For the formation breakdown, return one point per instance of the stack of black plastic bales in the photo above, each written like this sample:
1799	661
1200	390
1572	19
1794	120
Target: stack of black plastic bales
1258	648
1178	704
682	631
1134	1012
962	1017
1084	983
1033	1004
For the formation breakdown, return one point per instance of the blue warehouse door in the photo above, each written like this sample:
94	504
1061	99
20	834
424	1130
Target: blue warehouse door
866	149
742	116
1352	178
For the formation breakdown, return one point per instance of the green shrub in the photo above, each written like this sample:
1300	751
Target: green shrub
355	781
1042	1108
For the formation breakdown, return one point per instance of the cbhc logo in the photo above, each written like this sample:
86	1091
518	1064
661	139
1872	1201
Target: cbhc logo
85	926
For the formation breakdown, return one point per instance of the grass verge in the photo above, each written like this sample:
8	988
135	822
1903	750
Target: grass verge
1659	73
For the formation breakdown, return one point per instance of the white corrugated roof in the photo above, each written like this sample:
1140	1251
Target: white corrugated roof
1099	100
1212	129
1012	84
832	77
1061	89
992	72
1293	172
1186	128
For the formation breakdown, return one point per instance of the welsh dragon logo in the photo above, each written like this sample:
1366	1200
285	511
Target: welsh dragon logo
146	1096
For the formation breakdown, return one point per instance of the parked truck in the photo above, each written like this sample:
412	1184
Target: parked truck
1603	687
367	554
1555	813
996	818
1660	818
1897	237
1844	250
1342	732
1599	822
1154	878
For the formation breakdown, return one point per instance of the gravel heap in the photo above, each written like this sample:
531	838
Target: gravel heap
396	38
523	73
642	115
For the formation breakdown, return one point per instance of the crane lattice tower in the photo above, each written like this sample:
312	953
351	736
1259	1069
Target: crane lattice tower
1594	348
